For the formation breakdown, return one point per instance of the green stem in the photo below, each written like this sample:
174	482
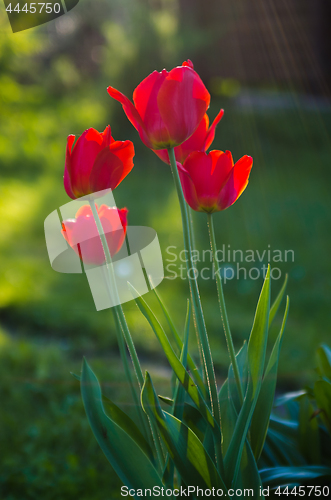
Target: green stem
197	307
224	315
120	322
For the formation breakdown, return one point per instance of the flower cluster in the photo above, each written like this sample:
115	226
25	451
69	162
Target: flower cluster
168	111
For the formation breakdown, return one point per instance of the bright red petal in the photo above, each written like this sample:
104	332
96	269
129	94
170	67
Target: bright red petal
83	156
106	137
236	183
188	187
128	107
124	150
67	168
211	131
182	100
106	172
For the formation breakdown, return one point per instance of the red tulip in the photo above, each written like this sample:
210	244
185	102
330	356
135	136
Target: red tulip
96	162
201	140
82	233
168	106
212	182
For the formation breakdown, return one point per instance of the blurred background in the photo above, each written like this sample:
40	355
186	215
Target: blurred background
267	63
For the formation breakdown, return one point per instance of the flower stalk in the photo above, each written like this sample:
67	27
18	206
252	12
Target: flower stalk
122	328
224	316
197	306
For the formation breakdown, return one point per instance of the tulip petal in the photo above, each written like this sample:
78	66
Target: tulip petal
111	166
106	172
200	140
124	150
114	224
236	183
195	142
82	234
67	167
211	131
182	101
83	155
208	173
145	98
163	155
85	210
128	107
106	137
188	187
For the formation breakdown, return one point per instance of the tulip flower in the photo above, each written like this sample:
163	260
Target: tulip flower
200	140
96	162
82	233
212	182
168	106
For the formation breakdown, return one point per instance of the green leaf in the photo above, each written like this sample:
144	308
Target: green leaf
77	377
261	415
275	306
193	419
322	391
191	365
166	400
248	475
284	448
259	335
256	358
309	438
181	373
288	397
287	427
127	459
127	424
190	457
292	476
324	361
242	362
228	416
179	396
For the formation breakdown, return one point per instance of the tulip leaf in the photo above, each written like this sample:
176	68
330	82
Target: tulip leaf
287	427
259	335
322	392
261	415
228	416
181	372
324	361
128	460
256	359
127	425
275	306
288	397
124	421
292	476
190	457
191	365
242	361
166	400
179	396
284	448
309	438
248	474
